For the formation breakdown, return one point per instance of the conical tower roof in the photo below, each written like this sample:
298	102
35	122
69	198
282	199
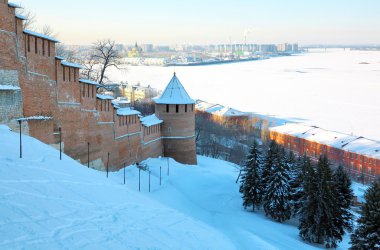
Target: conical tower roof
174	93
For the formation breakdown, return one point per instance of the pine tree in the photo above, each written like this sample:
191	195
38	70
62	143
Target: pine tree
251	186
299	172
276	199
321	226
270	157
308	202
344	198
367	233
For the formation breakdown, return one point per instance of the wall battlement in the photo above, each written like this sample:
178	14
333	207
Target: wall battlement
35	83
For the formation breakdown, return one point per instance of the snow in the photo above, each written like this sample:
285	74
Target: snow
127	111
33	33
150	120
46	203
174	93
21	17
9	87
359	190
335	91
334	139
89	82
13	5
70	64
104	97
35	118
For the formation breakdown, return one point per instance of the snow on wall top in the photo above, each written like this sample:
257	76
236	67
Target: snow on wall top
150	120
33	33
104	97
9	87
127	111
350	143
116	102
174	93
44	118
70	64
13	5
21	17
89	82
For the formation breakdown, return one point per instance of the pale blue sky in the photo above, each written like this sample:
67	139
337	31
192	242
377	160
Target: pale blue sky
211	21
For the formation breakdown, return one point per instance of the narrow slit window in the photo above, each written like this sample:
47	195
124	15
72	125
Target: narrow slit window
176	108
185	107
43	47
167	108
28	43
35	45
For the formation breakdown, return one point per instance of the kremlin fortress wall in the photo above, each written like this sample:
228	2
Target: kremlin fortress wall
45	93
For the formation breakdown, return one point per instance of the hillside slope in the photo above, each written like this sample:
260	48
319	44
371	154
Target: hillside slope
46	203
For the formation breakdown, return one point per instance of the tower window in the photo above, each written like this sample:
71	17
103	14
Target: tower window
167	108
185	107
176	108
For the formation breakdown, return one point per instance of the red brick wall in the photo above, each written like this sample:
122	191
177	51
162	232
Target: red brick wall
356	164
49	89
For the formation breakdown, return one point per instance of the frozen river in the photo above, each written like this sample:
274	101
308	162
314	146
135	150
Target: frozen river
334	89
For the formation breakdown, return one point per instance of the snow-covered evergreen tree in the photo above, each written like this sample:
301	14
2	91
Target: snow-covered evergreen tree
367	233
276	200
271	156
299	172
250	183
308	203
344	199
319	224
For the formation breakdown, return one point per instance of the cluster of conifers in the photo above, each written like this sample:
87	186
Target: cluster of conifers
320	199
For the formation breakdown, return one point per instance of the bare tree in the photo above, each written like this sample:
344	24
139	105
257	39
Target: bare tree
30	18
61	50
90	68
48	30
107	55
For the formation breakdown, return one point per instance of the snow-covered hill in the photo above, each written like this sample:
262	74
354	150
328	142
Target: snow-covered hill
46	203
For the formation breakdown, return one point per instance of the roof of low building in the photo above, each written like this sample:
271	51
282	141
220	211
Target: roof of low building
346	142
150	120
174	93
33	33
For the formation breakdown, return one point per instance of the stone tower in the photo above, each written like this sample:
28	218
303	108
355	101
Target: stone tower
176	109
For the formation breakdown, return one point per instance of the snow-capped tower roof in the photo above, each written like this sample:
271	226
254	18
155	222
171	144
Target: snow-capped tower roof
174	93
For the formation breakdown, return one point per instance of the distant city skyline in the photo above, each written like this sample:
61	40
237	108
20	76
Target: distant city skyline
211	21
